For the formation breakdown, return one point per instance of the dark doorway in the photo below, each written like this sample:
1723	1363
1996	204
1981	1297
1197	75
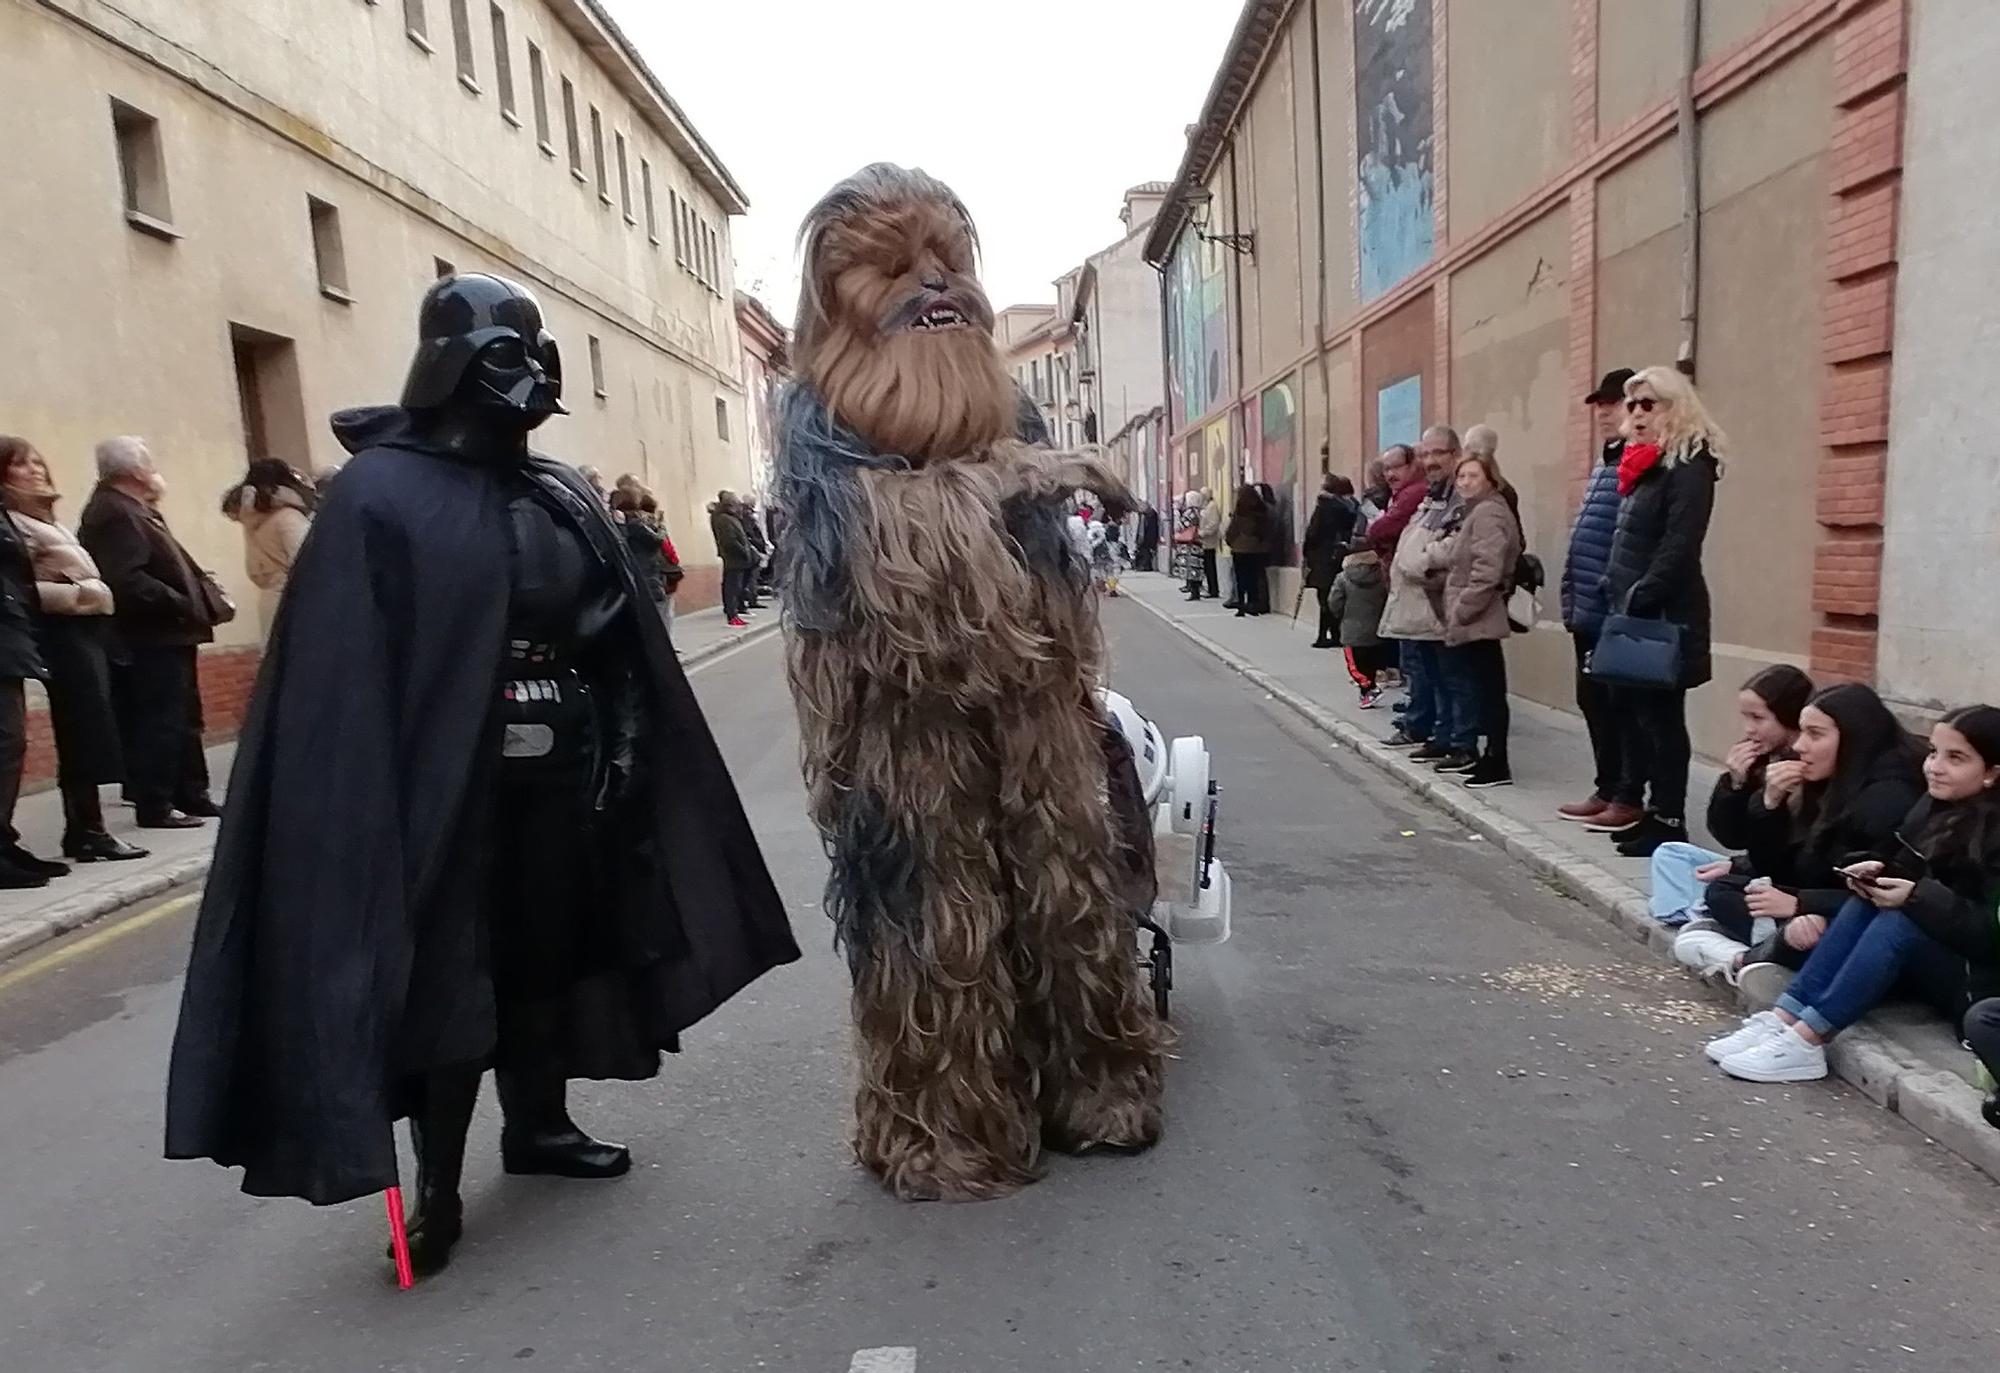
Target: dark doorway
270	397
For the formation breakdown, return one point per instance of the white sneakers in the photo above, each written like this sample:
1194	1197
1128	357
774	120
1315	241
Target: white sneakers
1783	1057
1765	1049
1755	1030
1703	946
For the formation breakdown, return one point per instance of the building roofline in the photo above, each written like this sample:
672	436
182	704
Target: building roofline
1250	46
753	316
592	26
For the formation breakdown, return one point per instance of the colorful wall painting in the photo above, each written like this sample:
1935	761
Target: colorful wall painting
1198	325
1392	90
1399	412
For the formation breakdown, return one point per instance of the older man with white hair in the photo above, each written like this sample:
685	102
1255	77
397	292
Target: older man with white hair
167	608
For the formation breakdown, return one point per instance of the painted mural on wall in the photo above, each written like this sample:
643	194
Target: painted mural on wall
1399	411
1392	89
1278	459
1196	299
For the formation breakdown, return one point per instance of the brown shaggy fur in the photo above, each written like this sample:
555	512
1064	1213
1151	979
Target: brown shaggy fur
1012	1011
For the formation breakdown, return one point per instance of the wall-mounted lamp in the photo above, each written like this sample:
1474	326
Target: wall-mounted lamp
1199	206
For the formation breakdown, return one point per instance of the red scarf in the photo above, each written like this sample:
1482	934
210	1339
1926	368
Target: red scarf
1637	460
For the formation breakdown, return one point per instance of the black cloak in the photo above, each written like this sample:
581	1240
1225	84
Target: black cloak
341	943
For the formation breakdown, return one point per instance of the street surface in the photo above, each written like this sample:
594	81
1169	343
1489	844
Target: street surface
1428	1116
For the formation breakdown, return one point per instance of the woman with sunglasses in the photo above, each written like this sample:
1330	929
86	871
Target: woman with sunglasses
1666	484
1920	915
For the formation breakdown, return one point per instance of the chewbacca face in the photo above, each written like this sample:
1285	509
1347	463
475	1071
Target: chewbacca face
894	331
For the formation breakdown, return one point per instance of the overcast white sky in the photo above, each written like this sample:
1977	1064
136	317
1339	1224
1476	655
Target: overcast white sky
1039	113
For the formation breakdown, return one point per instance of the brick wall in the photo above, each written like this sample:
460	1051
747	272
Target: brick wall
1870	59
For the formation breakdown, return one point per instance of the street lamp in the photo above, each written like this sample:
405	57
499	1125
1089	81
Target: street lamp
1199	206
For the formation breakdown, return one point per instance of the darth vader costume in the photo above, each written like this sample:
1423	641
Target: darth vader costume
476	820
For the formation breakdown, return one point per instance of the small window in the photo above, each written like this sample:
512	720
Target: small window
680	238
570	127
597	387
417	24
461	44
538	90
503	66
329	251
142	167
624	181
597	155
444	267
722	419
646	193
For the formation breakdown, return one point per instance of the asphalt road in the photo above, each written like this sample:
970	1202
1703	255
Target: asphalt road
1428	1115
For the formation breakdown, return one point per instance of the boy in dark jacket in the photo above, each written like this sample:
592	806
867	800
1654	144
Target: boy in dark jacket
1355	606
1614	803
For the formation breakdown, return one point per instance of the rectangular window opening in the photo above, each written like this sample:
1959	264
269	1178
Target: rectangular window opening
461	45
646	193
417	24
597	155
680	237
538	90
269	394
142	168
329	250
570	127
597	387
624	181
503	66
722	419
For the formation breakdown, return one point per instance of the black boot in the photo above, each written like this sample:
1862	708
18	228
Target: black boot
437	1131
537	1135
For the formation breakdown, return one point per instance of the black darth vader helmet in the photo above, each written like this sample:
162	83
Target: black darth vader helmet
482	343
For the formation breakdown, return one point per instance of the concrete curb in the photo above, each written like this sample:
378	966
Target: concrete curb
28	932
1944	1107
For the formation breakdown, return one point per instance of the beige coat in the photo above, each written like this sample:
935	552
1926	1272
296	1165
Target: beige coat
1480	571
1414	609
66	578
271	542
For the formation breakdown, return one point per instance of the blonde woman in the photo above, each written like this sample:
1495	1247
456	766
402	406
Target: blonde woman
1666	484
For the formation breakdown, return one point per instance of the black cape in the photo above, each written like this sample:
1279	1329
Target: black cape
340	947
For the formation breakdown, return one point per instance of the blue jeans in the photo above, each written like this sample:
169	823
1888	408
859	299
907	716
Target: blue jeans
1429	715
1675	890
1858	961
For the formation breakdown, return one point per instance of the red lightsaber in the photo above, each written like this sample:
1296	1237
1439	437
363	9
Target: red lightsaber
399	1238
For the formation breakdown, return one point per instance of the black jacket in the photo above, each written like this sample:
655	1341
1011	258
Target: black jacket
1804	863
19	603
156	585
1655	569
732	545
1327	536
1956	904
339	949
1766	846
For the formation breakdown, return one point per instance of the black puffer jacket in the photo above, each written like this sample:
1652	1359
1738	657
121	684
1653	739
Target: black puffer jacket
1656	555
1766	845
1327	535
1868	823
1955	904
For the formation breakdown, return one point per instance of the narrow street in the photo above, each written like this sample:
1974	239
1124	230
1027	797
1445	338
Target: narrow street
1427	1116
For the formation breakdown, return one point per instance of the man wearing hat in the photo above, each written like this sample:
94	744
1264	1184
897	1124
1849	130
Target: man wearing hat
1614	803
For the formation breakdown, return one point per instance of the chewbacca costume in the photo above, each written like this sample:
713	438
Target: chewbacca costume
989	852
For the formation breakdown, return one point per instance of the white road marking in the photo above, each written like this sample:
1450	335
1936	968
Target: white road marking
899	1359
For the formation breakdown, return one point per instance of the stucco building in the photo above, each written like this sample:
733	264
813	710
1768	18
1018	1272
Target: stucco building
1115	312
1397	212
225	214
766	364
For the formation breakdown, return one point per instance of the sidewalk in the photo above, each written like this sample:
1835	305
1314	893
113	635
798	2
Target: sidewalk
95	890
1902	1057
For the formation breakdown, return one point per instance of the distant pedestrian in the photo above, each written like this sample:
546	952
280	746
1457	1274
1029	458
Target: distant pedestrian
72	623
1415	617
760	544
1211	542
738	558
1325	546
1667	474
1186	566
642	541
274	504
671	572
1250	542
1483	553
166	607
1360	594
1146	540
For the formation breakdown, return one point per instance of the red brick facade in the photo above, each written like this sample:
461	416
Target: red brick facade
1870	59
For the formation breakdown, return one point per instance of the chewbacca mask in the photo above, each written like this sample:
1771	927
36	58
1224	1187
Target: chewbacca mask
943	649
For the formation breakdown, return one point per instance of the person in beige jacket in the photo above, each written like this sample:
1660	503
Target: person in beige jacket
274	505
1479	573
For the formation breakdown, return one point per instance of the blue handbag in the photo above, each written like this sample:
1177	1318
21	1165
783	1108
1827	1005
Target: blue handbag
1632	652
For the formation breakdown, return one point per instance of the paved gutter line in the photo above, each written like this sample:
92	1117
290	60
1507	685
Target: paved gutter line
1944	1107
31	931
